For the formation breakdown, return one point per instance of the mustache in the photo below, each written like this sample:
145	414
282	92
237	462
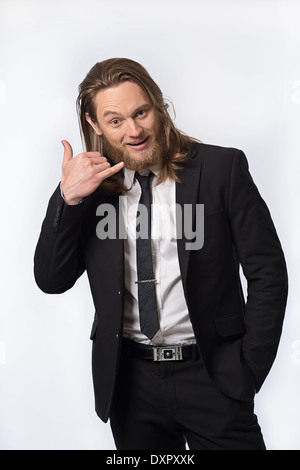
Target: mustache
153	156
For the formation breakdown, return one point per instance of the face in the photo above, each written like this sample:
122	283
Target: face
129	126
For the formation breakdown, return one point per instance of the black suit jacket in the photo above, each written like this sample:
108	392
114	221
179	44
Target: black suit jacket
237	340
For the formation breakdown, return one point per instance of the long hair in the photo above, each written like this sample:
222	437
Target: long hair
112	72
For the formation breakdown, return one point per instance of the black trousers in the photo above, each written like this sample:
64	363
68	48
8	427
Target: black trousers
164	405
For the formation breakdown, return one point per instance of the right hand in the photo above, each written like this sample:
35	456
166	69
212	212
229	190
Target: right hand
82	174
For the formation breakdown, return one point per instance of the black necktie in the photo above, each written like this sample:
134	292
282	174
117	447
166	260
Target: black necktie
146	283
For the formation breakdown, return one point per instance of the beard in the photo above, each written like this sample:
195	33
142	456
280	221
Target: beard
150	157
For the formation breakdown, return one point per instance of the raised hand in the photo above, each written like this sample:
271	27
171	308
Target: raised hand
82	174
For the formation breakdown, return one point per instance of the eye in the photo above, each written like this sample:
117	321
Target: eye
115	122
142	112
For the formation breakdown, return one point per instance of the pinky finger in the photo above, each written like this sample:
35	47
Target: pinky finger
111	170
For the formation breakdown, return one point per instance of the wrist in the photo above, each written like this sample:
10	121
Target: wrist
70	201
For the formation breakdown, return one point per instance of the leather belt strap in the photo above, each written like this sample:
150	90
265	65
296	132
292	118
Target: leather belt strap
161	353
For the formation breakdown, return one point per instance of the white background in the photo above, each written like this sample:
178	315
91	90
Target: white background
232	71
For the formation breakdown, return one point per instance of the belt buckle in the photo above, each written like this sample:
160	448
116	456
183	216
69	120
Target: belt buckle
168	353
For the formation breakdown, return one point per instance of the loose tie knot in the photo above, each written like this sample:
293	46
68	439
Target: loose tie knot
144	180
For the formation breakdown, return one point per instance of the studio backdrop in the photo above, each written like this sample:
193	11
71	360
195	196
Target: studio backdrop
232	71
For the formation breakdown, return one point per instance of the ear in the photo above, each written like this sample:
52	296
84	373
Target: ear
93	124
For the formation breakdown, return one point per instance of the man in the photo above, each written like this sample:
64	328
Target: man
177	353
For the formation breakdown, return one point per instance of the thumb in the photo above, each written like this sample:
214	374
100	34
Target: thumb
68	151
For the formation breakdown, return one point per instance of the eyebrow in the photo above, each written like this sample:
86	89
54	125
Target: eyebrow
115	113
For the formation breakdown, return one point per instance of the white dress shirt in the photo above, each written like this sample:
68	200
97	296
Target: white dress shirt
175	324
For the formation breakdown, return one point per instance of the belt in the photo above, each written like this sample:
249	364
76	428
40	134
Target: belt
161	353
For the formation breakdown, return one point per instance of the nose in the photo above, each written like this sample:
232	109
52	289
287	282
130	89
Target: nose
133	130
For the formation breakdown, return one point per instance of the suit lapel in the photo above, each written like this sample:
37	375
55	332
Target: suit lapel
118	247
186	193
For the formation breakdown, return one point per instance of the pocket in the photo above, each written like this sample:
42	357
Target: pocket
230	325
213	212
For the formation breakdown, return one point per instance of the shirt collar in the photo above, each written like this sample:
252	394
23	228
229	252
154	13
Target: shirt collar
129	174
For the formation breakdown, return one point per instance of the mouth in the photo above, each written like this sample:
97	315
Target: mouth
140	144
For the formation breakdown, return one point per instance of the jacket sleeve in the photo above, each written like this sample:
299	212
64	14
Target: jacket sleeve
263	263
58	260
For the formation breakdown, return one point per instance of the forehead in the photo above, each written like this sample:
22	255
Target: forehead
124	98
